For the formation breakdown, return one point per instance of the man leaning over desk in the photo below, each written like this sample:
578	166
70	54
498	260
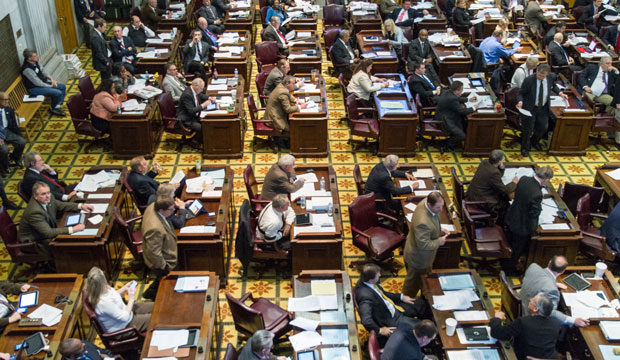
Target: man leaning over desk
380	182
280	178
274	222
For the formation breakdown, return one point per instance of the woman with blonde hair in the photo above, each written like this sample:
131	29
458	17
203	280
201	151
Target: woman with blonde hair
503	26
361	83
394	35
109	306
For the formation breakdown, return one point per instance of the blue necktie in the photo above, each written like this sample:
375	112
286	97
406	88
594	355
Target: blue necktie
428	81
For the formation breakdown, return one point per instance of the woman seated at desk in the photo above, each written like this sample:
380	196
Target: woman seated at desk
276	9
503	26
106	102
395	36
111	310
461	17
121	75
361	83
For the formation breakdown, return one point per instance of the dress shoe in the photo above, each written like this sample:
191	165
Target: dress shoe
58	112
537	146
17	163
10	205
525	153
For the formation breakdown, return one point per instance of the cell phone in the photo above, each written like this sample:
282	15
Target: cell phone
19	346
133	285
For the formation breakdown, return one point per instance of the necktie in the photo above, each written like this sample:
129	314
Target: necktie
50	179
280	36
540	93
422	46
595	12
618	42
564	52
197	102
122	45
397	307
605	82
436	218
210	12
52	217
428	81
87	5
401	16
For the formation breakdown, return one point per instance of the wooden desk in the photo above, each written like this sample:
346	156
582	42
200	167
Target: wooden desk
304	23
51	285
572	125
611	186
439	23
227	65
241	23
200	251
222	134
302	287
366	22
397	128
183	24
600	46
318	251
446	61
189	310
449	255
431	287
301	63
485	126
584	342
136	134
79	253
157	64
528	49
380	64
308	130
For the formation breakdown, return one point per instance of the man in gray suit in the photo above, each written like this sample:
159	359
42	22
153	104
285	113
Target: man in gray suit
207	11
174	83
538	280
276	75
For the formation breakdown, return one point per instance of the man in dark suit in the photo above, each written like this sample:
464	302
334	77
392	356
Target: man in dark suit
216	23
123	50
10	133
380	181
420	52
534	335
207	36
37	170
272	33
559	27
342	54
138	32
259	347
611	229
451	111
423	85
407	344
593	16
192	102
381	310
84	11
579	3
100	52
598	83
221	6
196	55
143	183
535	97
404	16
151	15
522	216
559	54
73	348
611	38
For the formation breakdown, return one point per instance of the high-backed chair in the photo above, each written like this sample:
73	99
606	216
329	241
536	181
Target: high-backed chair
267	55
513	117
333	15
135	11
20	253
577	14
261	314
265	256
141	207
329	36
365	127
429	127
511	299
374	350
172	124
359	182
263	15
132	238
376	239
592	243
21	192
80	117
261	127
571	193
231	353
458	186
251	185
86	87
260	80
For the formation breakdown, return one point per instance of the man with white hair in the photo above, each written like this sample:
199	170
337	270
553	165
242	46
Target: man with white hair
280	179
138	32
207	36
274	222
526	69
123	50
191	103
559	54
272	33
380	181
259	347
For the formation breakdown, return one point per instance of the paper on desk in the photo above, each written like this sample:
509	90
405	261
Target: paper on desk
423	192
454	300
50	315
214	174
306	190
463	338
410	206
308	177
335	353
409	216
421	184
333	317
95	219
169	339
212	87
337	336
558	101
319	203
614	174
448	227
197	229
178	177
474	354
212	194
198	184
611	329
560	226
456	282
98	208
328	302
323	287
307	303
305	324
423	173
192	284
586	312
305	340
322	220
100	196
86	232
510	173
477	21
312	229
471	315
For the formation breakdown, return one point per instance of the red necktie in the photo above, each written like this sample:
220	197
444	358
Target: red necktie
197	102
618	42
401	16
281	37
62	189
122	45
595	12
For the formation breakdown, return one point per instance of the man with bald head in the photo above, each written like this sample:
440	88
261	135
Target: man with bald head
138	32
207	36
123	50
420	52
559	54
74	349
191	103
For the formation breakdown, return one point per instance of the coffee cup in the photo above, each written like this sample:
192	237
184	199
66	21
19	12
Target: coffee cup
450	326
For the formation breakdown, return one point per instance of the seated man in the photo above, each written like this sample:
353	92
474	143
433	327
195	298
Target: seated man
259	347
342	54
37	170
597	83
196	55
207	11
423	85
170	190
535	335
151	14
420	52
382	311
76	349
526	69
611	229
559	54
142	182
39	82
207	36
280	178
404	16
559	27
8	315
272	33
406	343
39	224
380	181
274	222
280	105
611	38
487	185
10	134
493	50
191	103
451	111
174	82
276	76
123	50
138	32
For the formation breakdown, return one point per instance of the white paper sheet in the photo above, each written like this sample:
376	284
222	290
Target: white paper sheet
305	340
50	315
95	219
305	324
98	208
168	339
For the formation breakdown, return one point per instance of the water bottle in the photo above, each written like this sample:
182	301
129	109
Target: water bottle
198	166
118	109
330	210
322	183
147	75
236	74
215	73
302	203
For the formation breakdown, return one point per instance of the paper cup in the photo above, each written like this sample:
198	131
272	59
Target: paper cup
80	195
600	270
450	326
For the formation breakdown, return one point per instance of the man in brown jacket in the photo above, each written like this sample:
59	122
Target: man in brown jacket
151	15
425	237
280	104
159	241
281	178
487	185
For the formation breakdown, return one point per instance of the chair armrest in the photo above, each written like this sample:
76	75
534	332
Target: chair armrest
595	236
257	201
134	219
487	240
278	320
126	331
246	296
600	216
22	245
357	231
389	217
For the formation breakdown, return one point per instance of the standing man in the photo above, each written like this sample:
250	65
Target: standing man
174	82
84	11
196	55
191	103
100	52
535	97
420	52
535	17
280	178
39	82
451	111
159	241
207	11
380	181
281	103
123	50
274	222
424	238
138	32
276	76
38	170
522	216
406	343
10	133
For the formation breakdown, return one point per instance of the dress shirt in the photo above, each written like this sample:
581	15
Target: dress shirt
544	88
569	319
519	75
271	222
402	16
492	50
280	37
598	86
389	305
65	197
198	51
100	34
5	122
349	50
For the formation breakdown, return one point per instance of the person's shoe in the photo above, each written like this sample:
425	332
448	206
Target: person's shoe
17	163
10	205
57	112
525	153
537	146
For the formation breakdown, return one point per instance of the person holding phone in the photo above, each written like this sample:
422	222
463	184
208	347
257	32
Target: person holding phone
8	313
113	313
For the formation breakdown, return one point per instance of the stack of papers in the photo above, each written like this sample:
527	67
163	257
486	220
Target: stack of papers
98	208
305	340
133	105
305	324
191	284
549	211
313	229
421	183
199	184
558	101
335	353
308	177
333	317
456	282
322	220
471	315
93	182
318	203
510	173
323	287
197	229
614	174
308	190
473	354
410	206
610	329
148	92
313	303
589	304
169	339
50	315
455	300
423	173
337	336
608	351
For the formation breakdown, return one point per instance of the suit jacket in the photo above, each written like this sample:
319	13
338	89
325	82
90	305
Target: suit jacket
270	34
187	110
159	242
560	56
550	34
220	6
190	53
582	3
534	17
40	226
534	335
450	109
535	280
81	11
99	48
274	78
279	105
143	185
505	4
611	36
386	7
151	18
587	17
209	13
419	86
461	17
207	39
31	177
380	182
487	185
402	345
423	238
118	53
527	92
587	77
412	15
11	120
450	5
340	54
611	229
277	182
522	216
417	54
174	86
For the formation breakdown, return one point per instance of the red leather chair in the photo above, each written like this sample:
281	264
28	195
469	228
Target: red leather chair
363	127
359	182
374	238
261	314
172	124
85	85
141	207
21	253
571	193
261	127
231	352
251	185
21	192
577	15
329	37
339	69
260	80
265	257
592	243
131	237
263	15
429	127
513	117
459	196
511	299
333	15
374	350
267	55
80	117
131	341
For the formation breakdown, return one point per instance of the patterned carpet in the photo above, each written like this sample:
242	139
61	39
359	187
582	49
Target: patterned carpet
57	143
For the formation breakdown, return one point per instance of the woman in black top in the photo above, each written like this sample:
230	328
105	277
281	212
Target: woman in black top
461	17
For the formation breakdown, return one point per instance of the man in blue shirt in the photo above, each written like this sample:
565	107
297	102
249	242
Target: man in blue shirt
492	48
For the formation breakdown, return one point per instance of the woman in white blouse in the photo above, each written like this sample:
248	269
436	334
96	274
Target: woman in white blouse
109	306
394	35
361	83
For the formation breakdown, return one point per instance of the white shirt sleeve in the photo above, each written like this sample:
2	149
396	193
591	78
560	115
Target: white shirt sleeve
111	311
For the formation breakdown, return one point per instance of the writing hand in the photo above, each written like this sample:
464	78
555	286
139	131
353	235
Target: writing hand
78	227
88	208
24	288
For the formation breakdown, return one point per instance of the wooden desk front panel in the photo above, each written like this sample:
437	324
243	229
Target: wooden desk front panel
228	65
241	24
135	135
611	186
398	136
483	135
222	138
308	137
543	248
570	135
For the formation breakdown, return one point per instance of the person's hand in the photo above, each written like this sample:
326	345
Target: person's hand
386	331
87	207
286	230
54	83
438	90
84	19
179	203
415	185
385	84
596	15
579	322
130	48
566	43
291	180
425	12
564	96
560	286
218	21
442	240
587	89
205	103
429	60
1	142
24	288
156	166
71	194
14	317
131	292
515	179
519	49
500	315
176	185
408	299
92	13
5	356
78	227
303	105
356	52
571	61
519	105
409	176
